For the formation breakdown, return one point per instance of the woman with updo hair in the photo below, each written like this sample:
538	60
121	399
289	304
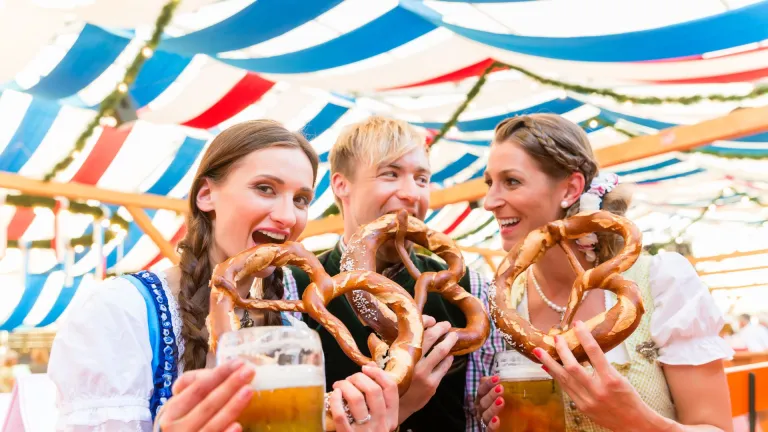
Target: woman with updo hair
668	375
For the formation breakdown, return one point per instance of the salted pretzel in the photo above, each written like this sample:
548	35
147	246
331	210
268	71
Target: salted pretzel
398	359
360	254
609	328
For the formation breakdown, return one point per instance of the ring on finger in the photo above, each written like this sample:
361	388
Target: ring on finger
365	420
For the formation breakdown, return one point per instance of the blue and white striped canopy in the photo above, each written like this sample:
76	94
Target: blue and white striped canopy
318	65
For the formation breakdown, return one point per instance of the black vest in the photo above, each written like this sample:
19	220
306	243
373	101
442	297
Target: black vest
445	411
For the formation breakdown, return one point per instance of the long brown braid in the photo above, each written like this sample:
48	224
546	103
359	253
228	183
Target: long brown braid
222	155
560	147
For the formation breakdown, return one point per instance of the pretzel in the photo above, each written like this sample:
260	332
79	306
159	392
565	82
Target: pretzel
398	359
360	254
610	327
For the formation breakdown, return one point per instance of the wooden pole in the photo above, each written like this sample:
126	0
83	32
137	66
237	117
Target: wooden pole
78	191
145	223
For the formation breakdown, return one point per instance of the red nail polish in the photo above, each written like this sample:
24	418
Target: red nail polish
537	352
557	339
499	401
498	389
495	380
546	369
494	420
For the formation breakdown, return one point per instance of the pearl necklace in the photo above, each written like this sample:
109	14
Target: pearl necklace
550	303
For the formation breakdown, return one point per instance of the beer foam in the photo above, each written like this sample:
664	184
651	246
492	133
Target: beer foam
271	377
522	373
511	365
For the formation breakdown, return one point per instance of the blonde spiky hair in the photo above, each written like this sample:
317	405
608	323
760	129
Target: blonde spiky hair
374	141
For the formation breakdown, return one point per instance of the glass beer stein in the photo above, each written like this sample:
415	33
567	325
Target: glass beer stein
289	385
533	402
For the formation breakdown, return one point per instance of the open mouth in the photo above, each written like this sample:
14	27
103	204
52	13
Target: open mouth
263	237
508	222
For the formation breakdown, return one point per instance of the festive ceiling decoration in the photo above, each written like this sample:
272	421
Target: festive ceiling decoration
455	69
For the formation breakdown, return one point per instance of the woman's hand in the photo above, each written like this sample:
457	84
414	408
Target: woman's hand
203	399
489	402
605	395
372	398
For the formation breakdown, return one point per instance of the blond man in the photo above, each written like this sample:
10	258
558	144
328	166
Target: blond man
378	166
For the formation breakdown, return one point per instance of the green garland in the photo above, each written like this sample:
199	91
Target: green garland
654	248
110	103
86	240
31	201
473	92
757	92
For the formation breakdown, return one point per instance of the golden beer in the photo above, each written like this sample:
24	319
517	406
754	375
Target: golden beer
289	384
533	402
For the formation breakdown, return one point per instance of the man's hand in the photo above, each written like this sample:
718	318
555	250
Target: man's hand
431	369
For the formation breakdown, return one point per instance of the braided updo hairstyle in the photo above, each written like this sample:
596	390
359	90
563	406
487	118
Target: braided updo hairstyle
560	147
225	151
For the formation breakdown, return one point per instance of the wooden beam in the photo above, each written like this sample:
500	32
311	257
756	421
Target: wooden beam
736	124
483	251
78	191
330	224
145	223
757	285
696	260
736	270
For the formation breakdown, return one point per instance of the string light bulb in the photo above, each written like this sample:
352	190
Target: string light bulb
108	121
122	87
147	52
79	248
593	124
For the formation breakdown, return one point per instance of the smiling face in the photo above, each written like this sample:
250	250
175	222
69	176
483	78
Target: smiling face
377	190
263	199
537	169
380	189
521	196
379	166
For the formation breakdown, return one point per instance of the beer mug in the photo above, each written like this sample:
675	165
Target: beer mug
289	385
533	402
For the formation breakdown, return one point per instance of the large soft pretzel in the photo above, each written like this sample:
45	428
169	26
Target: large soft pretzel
398	359
360	254
609	328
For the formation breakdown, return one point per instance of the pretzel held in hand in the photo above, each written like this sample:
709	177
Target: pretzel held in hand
360	254
399	357
609	328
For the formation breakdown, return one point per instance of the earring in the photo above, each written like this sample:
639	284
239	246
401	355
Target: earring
564	204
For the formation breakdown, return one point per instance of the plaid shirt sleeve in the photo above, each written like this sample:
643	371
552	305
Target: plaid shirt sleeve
481	360
291	291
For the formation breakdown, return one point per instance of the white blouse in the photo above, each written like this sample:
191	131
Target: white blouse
101	360
686	322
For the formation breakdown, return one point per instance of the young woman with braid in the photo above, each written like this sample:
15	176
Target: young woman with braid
116	359
668	375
